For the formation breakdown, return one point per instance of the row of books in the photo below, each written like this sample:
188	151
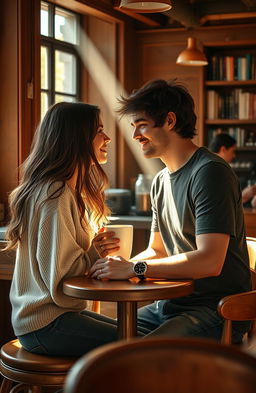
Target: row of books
232	68
237	104
244	137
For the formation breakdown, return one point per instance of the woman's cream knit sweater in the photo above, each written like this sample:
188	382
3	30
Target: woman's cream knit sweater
53	247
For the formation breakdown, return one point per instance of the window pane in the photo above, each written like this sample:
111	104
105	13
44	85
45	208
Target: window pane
65	26
65	72
44	67
44	16
61	98
44	103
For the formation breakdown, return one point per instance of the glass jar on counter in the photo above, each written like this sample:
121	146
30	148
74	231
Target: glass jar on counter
142	194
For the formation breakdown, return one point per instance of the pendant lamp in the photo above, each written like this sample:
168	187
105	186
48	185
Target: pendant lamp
192	56
146	6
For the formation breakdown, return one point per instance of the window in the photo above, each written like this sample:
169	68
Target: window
59	57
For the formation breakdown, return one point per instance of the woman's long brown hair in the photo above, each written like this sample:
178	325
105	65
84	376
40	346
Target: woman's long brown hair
63	144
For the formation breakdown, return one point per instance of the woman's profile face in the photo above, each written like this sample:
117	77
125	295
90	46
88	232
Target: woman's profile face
100	143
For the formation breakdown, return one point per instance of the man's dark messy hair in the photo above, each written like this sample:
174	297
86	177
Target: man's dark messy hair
158	97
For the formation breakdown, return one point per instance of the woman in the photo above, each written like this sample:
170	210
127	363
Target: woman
55	212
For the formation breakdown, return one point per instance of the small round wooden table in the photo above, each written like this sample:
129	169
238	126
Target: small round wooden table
126	293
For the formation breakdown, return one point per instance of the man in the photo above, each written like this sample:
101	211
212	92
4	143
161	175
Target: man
224	145
197	224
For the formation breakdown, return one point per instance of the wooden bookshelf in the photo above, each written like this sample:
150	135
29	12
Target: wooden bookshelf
230	85
230	122
234	83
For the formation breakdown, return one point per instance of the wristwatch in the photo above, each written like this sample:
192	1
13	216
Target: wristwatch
140	269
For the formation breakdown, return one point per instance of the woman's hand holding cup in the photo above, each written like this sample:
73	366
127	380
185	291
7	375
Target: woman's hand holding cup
106	243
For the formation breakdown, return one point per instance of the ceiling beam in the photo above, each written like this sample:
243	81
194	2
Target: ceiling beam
221	17
184	13
249	3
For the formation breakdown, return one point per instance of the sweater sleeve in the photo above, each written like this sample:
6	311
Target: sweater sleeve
61	246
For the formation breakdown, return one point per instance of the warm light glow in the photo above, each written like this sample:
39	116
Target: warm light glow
192	56
146	6
111	89
17	344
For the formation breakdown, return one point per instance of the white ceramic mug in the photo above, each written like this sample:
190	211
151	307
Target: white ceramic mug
125	234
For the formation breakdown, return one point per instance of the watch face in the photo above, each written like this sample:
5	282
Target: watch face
140	268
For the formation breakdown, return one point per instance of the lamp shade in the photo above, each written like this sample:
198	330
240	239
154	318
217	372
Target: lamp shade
192	56
146	6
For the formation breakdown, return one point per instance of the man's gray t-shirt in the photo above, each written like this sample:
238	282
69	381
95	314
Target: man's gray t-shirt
202	197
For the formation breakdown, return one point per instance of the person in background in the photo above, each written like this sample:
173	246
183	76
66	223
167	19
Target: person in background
197	229
55	212
224	145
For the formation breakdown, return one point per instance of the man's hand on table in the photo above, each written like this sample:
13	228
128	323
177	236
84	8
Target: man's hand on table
114	268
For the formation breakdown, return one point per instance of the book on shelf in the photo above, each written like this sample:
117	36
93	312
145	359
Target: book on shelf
231	68
237	104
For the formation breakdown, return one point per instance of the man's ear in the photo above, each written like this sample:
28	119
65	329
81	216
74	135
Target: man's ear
222	150
171	119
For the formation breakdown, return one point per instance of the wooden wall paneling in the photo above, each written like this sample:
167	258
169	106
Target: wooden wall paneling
100	61
160	48
19	73
117	48
204	34
29	73
111	69
158	61
8	98
127	165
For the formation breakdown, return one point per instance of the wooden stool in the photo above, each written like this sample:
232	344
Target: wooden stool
29	370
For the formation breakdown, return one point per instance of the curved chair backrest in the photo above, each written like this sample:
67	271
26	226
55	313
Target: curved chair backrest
251	245
239	307
163	365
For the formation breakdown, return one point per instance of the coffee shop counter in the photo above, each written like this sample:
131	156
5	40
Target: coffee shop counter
138	222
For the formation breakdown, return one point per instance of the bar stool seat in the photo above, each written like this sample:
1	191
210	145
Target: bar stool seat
34	371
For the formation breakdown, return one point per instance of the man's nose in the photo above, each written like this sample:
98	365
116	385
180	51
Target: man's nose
136	133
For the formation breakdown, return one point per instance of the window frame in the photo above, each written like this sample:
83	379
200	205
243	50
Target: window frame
52	44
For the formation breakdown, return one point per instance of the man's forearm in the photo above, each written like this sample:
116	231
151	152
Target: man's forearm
149	253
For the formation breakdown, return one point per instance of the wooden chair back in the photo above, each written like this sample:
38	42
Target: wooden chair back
163	365
239	307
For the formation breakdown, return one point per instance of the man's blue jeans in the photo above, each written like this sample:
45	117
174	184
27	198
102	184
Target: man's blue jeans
164	318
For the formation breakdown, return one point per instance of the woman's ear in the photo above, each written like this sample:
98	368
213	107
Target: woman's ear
171	119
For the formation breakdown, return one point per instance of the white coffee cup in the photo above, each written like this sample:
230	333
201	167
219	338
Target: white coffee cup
125	234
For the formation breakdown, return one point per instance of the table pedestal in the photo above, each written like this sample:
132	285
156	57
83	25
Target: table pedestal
127	318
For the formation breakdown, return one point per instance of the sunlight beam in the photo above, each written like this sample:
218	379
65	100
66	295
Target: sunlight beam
111	89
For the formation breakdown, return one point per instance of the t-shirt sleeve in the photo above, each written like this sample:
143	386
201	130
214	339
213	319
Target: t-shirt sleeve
153	196
215	194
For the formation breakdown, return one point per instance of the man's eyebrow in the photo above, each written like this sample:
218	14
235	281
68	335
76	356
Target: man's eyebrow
141	119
